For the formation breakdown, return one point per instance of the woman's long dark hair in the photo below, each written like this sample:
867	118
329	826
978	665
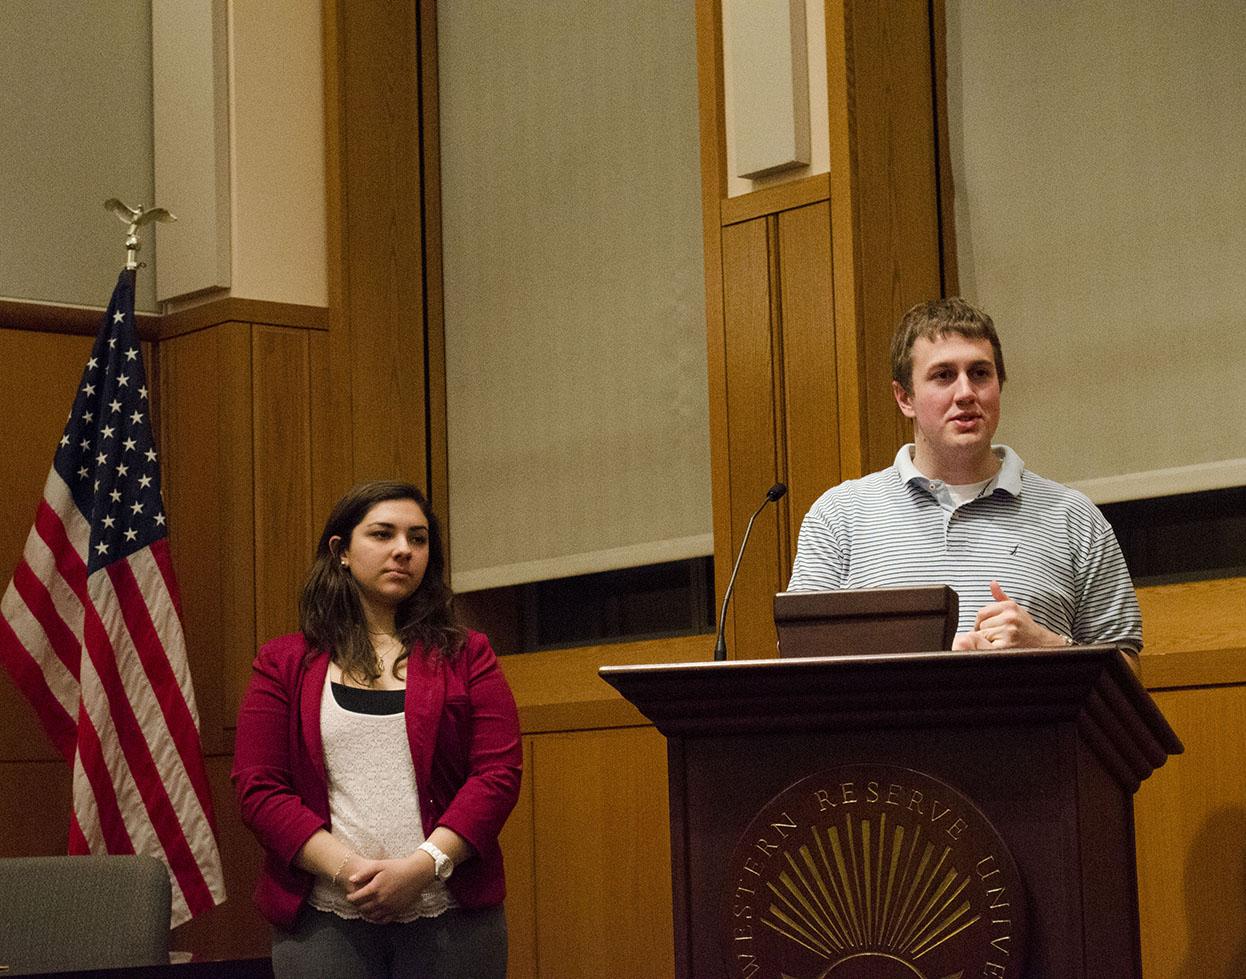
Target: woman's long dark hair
331	613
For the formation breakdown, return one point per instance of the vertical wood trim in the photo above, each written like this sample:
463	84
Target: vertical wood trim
882	128
39	376
713	191
207	468
1190	819
324	488
40	829
434	299
778	393
809	360
845	239
950	275
334	402
377	296
518	841
751	409
883	256
384	212
681	871
282	463
602	847
898	156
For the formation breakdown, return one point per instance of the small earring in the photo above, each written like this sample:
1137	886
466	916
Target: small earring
344	564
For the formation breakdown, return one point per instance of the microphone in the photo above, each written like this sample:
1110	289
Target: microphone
773	494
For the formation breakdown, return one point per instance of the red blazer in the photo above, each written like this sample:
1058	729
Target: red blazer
464	735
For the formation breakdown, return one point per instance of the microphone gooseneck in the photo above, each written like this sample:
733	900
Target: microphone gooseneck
773	495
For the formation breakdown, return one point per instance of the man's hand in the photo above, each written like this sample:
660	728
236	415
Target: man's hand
1003	624
382	889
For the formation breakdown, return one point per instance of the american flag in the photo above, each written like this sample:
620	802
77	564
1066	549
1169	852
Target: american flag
92	635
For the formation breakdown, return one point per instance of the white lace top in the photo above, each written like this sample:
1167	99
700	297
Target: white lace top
373	803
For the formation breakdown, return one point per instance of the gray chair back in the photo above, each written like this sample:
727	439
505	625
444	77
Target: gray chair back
59	914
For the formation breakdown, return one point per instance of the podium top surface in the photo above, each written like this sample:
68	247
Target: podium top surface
1091	686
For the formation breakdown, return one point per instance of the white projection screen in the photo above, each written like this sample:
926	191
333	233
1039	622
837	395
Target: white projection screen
576	399
1099	168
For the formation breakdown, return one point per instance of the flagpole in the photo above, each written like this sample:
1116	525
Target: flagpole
90	624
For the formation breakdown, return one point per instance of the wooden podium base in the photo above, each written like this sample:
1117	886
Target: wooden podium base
1037	753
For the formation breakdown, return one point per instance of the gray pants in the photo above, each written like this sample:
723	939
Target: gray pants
458	944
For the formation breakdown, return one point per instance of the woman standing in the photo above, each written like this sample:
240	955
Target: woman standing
377	758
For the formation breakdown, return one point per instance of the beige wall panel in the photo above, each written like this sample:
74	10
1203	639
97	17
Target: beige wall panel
1191	838
190	105
603	862
34	808
77	86
285	537
812	91
205	438
809	374
39	373
518	851
276	111
751	433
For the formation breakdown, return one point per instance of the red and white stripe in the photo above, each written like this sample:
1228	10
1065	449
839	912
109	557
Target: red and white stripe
103	661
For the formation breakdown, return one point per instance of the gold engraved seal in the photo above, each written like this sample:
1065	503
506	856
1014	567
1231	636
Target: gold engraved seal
872	872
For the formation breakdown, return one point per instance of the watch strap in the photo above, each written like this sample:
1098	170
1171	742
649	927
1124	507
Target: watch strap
443	866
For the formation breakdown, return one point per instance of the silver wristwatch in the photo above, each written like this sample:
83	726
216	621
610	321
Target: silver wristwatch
443	866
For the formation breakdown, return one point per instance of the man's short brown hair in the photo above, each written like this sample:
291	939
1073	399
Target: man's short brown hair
933	319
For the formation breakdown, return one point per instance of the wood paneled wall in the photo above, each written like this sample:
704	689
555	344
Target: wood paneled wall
806	281
240	441
1191	814
1191	840
385	410
209	482
588	847
266	415
36	369
241	454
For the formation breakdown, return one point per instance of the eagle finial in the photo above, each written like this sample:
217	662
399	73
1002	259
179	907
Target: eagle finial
135	217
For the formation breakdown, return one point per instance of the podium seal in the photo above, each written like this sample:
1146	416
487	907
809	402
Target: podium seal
872	872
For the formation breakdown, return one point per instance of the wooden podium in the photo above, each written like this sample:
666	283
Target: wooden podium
858	817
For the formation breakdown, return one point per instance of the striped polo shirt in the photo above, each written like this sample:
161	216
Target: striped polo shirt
1048	546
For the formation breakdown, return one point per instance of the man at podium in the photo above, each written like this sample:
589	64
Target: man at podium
1034	563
